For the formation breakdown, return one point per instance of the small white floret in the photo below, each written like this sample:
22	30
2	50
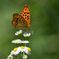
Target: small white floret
16	51
24	57
27	34
10	57
25	41
18	32
17	41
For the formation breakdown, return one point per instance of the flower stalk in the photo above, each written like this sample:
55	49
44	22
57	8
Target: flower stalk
23	49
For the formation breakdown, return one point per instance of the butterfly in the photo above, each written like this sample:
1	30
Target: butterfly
22	20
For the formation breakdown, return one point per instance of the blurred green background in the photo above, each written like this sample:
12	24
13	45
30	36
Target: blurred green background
45	27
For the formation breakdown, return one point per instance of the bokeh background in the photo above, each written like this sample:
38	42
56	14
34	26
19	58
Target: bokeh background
44	27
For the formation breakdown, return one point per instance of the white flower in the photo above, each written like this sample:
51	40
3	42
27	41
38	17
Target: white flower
25	49
16	41
24	57
27	34
10	57
18	32
16	51
20	41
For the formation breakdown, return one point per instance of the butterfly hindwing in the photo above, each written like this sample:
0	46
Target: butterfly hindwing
15	19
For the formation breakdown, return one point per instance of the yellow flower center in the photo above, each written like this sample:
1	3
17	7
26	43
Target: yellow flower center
22	47
29	49
15	49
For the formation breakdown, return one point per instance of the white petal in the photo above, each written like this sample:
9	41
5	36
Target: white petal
25	50
27	34
16	52
10	57
16	41
25	41
18	32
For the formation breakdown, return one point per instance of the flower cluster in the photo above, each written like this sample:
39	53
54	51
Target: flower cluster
23	50
24	34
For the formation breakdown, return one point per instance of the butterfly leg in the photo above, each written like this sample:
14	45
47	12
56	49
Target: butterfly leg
27	33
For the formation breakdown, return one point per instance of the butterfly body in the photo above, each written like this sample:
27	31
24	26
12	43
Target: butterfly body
23	19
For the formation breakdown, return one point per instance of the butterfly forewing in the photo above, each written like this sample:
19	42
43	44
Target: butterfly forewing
26	15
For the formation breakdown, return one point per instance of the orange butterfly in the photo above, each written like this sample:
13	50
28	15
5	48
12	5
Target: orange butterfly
22	20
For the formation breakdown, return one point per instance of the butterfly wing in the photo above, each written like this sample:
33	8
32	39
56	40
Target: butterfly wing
16	22
15	19
26	15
